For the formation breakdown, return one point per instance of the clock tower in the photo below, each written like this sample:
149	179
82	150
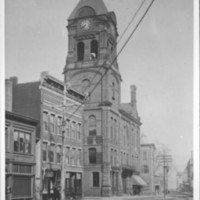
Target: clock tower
91	69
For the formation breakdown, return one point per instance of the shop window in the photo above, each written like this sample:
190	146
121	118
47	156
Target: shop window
45	121
44	151
22	187
80	51
22	142
92	126
92	156
58	152
93	50
96	179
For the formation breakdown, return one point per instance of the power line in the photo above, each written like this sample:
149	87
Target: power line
137	25
135	14
131	20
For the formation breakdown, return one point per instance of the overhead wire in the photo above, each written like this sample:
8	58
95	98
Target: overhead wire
125	30
113	61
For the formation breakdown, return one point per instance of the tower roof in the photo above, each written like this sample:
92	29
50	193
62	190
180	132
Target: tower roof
98	6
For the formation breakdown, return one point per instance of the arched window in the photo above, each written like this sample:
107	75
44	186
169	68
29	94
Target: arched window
80	51
92	156
93	50
86	12
92	126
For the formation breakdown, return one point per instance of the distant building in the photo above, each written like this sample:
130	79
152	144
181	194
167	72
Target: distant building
60	135
20	140
147	163
187	175
111	129
172	178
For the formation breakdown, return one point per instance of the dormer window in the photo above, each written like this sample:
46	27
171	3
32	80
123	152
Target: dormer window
80	51
93	50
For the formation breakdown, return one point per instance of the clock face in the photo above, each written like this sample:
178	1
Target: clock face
85	24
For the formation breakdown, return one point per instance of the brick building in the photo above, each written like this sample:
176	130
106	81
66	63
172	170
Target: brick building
59	150
147	163
20	139
111	129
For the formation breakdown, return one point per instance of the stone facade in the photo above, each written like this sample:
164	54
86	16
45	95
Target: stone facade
111	129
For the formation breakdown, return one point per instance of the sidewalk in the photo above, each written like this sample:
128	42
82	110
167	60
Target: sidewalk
127	197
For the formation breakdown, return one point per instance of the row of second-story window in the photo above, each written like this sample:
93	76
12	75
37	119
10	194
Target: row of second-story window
126	159
53	153
54	124
22	142
129	138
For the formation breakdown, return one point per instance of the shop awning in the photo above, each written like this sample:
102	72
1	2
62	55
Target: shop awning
137	180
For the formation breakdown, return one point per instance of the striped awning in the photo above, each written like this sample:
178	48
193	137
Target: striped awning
137	180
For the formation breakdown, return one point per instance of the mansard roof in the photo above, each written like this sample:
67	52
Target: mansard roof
97	5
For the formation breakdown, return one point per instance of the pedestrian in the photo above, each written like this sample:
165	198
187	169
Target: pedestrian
56	195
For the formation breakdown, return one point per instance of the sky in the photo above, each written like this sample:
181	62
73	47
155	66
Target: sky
158	60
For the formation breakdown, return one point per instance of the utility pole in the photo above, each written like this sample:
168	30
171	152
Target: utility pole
63	147
165	160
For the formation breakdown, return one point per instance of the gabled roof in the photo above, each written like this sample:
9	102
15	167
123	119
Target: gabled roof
97	5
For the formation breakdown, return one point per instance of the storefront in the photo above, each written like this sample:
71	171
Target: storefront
73	185
51	184
19	181
137	184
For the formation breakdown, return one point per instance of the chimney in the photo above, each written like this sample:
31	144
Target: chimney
8	95
133	95
14	80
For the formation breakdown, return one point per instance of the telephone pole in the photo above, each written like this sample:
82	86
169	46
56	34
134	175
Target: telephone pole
165	159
